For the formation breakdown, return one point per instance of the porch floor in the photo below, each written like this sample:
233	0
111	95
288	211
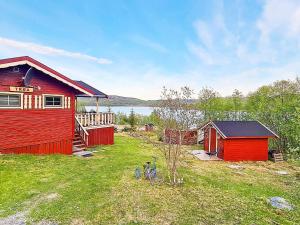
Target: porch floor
202	155
98	126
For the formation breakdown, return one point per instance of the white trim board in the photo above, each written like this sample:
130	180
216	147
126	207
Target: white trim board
23	62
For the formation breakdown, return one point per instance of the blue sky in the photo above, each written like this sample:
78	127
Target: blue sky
134	48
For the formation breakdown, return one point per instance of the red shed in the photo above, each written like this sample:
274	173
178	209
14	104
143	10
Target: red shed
38	111
237	140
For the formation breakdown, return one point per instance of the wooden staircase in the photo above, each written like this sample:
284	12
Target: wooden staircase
78	143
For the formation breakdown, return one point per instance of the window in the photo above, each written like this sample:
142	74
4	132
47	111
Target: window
53	101
8	100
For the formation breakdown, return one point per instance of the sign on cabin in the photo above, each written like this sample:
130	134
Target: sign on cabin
21	89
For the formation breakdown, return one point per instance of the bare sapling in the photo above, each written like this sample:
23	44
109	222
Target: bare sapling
176	115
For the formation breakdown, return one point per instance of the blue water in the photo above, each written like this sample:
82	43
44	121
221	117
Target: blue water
146	111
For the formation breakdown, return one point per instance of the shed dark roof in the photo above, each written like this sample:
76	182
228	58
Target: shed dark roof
95	91
243	129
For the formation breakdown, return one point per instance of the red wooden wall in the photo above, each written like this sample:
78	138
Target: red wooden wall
37	131
101	136
243	149
58	147
189	137
221	148
213	135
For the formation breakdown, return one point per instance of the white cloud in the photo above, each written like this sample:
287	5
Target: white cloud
204	33
281	17
46	50
201	53
214	40
149	43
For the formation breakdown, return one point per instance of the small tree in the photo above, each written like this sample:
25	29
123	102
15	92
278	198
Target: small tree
176	115
132	120
210	103
237	99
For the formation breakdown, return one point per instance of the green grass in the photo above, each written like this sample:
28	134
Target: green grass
102	189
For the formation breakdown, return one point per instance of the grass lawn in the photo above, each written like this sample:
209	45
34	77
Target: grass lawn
102	189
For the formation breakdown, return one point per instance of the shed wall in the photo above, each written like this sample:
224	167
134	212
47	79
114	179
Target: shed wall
189	137
246	149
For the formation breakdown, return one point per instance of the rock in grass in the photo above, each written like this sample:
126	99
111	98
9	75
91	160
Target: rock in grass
282	172
236	167
280	203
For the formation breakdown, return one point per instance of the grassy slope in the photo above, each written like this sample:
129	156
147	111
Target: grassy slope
102	189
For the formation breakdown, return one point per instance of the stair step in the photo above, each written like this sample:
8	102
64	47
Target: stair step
77	141
76	149
79	146
83	153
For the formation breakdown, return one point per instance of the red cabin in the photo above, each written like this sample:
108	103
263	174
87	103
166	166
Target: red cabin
187	137
236	140
38	111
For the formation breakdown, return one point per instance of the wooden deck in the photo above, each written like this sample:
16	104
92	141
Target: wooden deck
202	155
94	129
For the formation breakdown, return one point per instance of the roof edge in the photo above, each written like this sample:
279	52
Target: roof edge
22	60
216	127
268	129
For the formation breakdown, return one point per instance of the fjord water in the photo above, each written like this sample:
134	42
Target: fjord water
142	110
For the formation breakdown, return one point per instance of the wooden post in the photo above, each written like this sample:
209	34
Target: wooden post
209	139
216	141
75	104
97	104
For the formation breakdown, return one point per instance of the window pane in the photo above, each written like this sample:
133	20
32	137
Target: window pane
49	103
10	100
14	100
3	100
53	101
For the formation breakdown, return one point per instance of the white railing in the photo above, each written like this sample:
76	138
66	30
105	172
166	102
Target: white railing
95	119
81	131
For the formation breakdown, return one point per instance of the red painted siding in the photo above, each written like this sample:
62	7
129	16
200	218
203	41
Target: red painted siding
213	137
246	149
37	131
58	147
206	141
221	148
101	136
188	137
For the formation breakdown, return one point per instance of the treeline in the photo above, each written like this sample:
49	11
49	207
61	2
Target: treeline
134	119
276	105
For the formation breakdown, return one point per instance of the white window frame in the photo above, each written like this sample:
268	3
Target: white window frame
53	107
13	107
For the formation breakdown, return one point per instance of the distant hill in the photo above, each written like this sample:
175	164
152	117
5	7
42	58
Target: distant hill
115	100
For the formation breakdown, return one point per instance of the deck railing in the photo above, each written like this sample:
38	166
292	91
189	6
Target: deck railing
82	131
95	119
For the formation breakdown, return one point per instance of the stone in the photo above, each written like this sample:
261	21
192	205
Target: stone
282	172
236	167
280	203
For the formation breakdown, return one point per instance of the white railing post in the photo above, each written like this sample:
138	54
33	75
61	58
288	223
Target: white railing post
95	119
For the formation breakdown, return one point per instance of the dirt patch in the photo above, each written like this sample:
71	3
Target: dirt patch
46	222
16	219
52	196
77	221
20	218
